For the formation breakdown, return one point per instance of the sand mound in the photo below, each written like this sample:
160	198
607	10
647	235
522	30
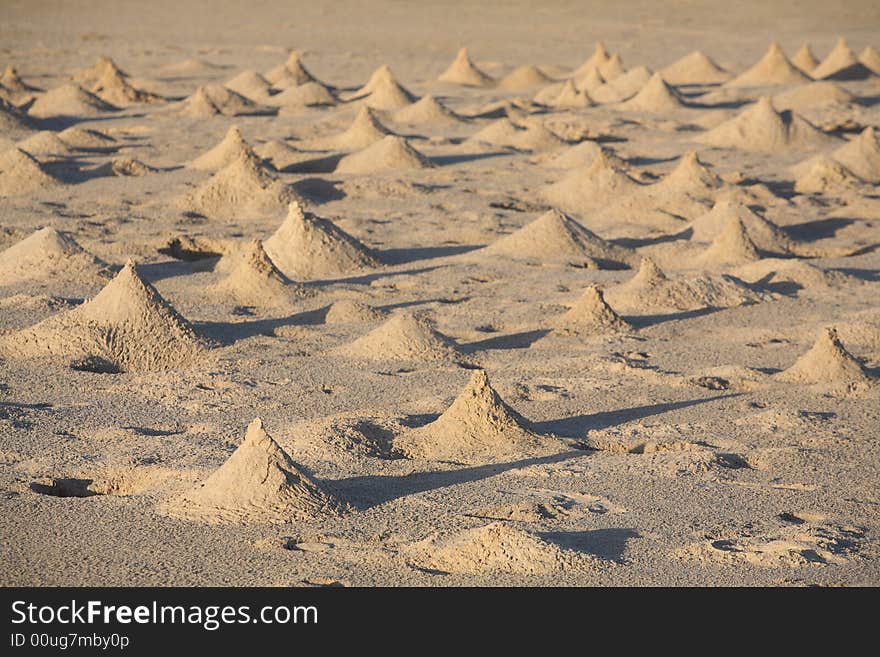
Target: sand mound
114	88
870	58
258	483
589	82
44	144
827	176
591	315
827	361
102	66
250	84
622	87
815	94
48	254
563	95
347	311
804	59
773	271
404	337
655	96
732	247
841	64
308	94
764	234
478	427
256	281
761	128
306	246
695	68
11	81
650	290
599	58
583	155
21	173
555	235
503	132
290	73
463	71
524	77
612	68
773	68
366	129
589	187
232	147
13	122
280	154
392	153
384	92
243	186
82	139
214	99
426	110
861	155
69	100
127	326
493	548
500	132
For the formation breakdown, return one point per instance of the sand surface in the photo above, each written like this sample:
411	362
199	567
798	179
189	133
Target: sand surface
554	410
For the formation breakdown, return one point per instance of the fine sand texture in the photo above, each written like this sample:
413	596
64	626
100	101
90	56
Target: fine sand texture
439	294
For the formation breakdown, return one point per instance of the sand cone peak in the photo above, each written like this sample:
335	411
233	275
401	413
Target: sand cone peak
21	173
346	311
655	96
804	59
589	81
733	246
591	314
826	175
291	73
426	110
478	426
564	95
691	176
250	84
212	99
388	94
104	66
306	246
524	77
308	94
767	236
649	274
555	235
256	281
232	147
773	68
694	68
841	64
861	155
365	130
598	58
463	71
10	80
259	482
827	361
870	58
404	337
113	87
592	186
47	253
389	154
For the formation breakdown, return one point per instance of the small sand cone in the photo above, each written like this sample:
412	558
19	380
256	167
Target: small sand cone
211	99
587	188
591	315
599	58
773	68
563	95
695	68
347	311
256	281
827	361
308	94
48	253
590	81
522	78
365	130
613	68
69	100
404	337
732	247
841	64
463	71
258	483
478	427
21	173
870	57
250	84
804	59
291	73
306	247
861	155
655	96
232	147
392	153
827	176
426	110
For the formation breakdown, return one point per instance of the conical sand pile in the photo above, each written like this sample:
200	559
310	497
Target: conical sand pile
478	427
404	337
522	78
280	154
732	247
463	71
113	87
590	81
13	122
870	57
553	236
766	235
383	91
258	483
583	155
243	186
232	147
492	548
213	99
804	59
814	94
690	176
69	100
695	68
306	247
127	326
773	68
500	132
21	173
48	254
587	188
290	73
761	128
841	64
256	281
827	176
613	68
623	87
392	153
347	311
250	84
655	96
827	362
535	137
599	58
861	155
564	95
102	66
426	110
591	315
366	129
308	94
45	145
11	81
650	290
